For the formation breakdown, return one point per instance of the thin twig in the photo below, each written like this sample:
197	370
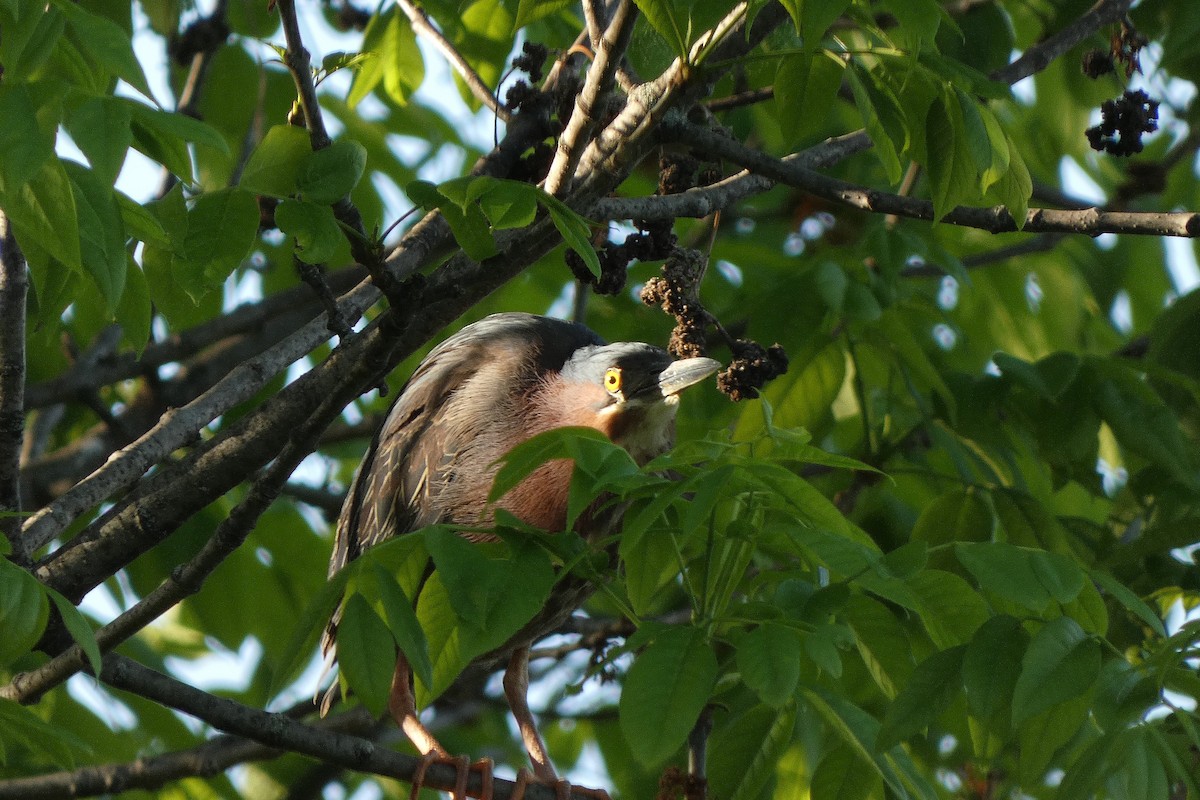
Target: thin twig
792	172
1037	58
747	98
299	63
423	27
14	286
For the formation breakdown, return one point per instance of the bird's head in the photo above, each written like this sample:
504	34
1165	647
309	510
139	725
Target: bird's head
628	390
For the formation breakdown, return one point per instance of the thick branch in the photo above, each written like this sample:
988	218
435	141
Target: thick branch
14	286
187	579
587	103
178	426
282	732
203	761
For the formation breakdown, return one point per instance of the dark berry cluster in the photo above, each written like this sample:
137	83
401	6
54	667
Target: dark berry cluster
203	36
1123	121
532	59
753	365
521	94
1097	63
676	292
678	172
652	242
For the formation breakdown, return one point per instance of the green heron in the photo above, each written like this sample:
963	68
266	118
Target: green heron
489	387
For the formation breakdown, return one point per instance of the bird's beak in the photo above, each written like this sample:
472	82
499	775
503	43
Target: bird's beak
682	374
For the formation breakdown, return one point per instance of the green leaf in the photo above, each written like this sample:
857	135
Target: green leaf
952	172
392	58
666	689
769	659
508	204
274	166
101	128
20	726
831	283
1062	662
309	627
806	85
883	117
905	561
844	775
24	610
470	228
575	232
882	643
79	628
1015	186
522	460
530	11
313	226
933	685
135	311
957	516
743	756
403	65
1005	570
29	42
222	226
1129	600
140	224
990	668
24	145
480	585
1040	738
44	211
329	174
444	635
366	653
661	14
101	233
163	136
950	609
396	610
107	43
813	17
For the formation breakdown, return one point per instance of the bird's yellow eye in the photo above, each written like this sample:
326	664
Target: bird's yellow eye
612	379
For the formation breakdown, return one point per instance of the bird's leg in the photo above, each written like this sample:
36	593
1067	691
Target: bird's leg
402	705
516	690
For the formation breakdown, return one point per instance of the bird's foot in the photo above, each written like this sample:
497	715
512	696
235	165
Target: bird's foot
463	769
563	789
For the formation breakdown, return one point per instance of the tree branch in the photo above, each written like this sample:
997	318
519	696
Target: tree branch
14	286
609	50
178	426
101	368
187	579
792	172
1041	55
203	761
282	732
299	63
422	26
